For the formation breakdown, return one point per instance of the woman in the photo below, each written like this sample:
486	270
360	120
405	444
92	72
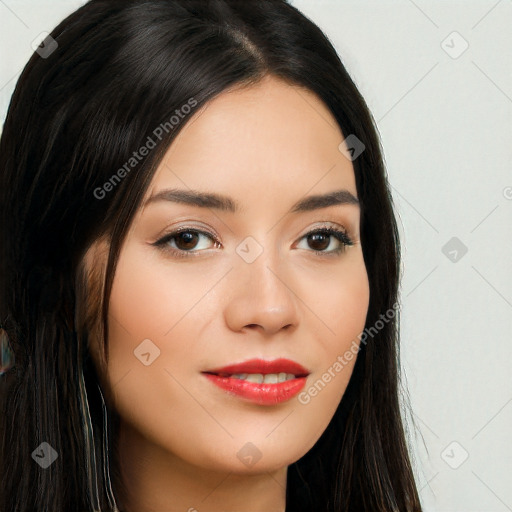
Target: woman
200	270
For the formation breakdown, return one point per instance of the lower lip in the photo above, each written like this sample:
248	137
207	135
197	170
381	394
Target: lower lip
263	394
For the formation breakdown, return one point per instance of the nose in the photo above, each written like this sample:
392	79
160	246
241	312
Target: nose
261	296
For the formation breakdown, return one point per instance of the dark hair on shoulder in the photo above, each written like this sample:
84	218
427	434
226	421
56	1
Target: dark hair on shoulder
121	69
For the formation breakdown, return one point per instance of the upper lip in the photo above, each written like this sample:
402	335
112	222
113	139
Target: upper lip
263	367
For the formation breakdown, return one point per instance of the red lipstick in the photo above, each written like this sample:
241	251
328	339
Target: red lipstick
260	381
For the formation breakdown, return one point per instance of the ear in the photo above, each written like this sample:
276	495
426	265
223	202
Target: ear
90	289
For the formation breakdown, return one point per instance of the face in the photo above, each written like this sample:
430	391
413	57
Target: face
262	276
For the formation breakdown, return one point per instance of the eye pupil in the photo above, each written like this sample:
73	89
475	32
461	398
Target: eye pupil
315	238
189	238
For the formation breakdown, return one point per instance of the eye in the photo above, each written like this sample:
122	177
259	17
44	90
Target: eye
184	240
322	239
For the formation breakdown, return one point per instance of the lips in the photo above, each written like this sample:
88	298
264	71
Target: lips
263	367
259	381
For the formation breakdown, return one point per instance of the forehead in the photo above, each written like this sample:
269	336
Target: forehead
271	138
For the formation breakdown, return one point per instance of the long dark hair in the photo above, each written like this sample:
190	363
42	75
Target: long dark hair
120	69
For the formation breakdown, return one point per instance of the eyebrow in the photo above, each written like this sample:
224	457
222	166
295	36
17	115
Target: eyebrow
225	203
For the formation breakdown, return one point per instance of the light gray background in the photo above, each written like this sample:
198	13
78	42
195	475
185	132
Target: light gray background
445	118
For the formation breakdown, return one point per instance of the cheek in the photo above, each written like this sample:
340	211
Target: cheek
342	306
151	297
340	300
149	331
154	315
349	305
147	302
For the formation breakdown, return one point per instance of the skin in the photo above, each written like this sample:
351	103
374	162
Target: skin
266	146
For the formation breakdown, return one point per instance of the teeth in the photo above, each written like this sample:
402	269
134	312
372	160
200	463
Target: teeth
259	378
271	378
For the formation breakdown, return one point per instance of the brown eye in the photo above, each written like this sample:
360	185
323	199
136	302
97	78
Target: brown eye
319	241
186	240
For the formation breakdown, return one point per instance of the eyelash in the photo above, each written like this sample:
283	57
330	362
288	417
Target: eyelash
339	234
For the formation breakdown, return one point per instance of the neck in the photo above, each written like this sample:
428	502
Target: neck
155	479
